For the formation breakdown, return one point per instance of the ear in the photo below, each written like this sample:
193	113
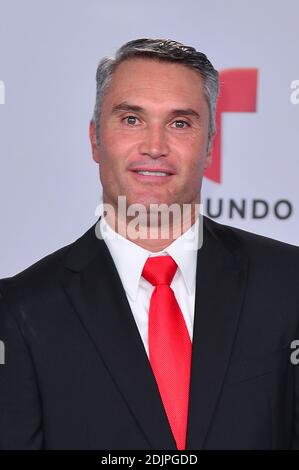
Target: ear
93	141
208	159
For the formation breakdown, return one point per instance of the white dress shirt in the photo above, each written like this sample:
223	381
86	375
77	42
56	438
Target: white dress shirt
129	259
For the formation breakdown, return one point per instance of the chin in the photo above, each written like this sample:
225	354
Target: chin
147	202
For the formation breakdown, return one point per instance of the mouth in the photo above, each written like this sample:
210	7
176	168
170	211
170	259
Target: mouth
150	175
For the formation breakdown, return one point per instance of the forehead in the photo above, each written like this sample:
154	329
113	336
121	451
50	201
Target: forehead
156	81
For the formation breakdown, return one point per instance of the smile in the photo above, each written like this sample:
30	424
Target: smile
151	176
155	173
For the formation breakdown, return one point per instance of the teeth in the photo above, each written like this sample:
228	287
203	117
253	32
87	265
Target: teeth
155	173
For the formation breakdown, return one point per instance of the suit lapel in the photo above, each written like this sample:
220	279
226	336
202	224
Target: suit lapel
220	285
96	292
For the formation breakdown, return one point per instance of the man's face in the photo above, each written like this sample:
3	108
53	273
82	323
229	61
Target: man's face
154	117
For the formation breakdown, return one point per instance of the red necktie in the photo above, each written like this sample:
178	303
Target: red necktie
169	345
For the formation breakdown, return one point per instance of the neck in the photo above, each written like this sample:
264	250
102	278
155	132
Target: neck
154	231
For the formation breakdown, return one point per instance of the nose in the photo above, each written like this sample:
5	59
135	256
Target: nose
154	142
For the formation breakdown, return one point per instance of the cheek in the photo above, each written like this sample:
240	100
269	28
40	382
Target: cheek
192	158
118	147
115	137
113	170
110	152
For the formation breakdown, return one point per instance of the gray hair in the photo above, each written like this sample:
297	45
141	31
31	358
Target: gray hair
163	50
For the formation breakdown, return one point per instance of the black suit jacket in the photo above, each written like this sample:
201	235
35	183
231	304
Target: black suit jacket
76	374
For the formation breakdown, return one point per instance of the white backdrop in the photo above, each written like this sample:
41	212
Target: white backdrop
49	51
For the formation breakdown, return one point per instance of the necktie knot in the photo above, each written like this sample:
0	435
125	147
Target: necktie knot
159	270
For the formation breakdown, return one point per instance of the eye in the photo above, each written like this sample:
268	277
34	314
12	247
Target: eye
130	120
181	124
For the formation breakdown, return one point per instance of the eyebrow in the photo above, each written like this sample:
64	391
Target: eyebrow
125	106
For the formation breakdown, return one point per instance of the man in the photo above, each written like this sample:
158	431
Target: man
127	339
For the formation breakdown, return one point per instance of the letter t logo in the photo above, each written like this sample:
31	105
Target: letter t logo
238	90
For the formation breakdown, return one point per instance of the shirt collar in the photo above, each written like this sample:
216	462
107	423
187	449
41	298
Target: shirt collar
129	258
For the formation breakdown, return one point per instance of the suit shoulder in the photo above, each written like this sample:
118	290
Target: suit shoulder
255	245
40	275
